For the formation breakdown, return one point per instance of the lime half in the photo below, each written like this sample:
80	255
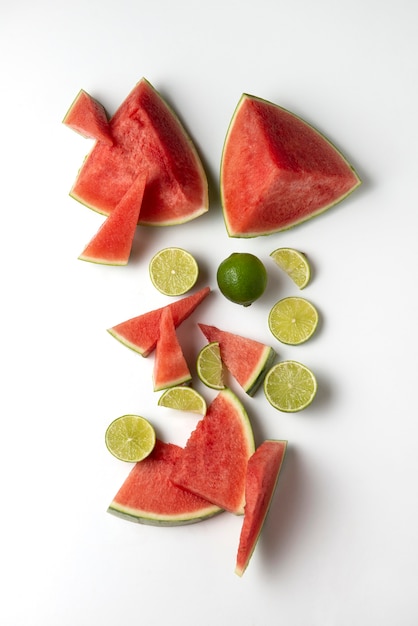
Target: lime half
209	366
130	438
294	263
173	271
290	386
293	320
183	399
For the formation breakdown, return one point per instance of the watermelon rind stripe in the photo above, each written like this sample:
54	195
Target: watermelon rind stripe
154	519
257	376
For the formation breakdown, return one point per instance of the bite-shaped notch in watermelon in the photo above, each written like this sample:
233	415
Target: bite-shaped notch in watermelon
141	333
148	138
277	170
246	359
214	462
170	366
88	118
262	475
148	495
112	244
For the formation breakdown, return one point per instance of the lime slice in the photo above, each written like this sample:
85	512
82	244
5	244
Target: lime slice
130	438
294	263
209	366
290	386
183	399
173	271
293	320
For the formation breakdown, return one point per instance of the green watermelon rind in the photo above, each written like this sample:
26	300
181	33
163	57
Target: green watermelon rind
153	519
249	235
259	372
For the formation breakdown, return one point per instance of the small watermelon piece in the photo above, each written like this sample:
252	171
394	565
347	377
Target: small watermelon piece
147	137
214	463
112	243
148	495
277	171
88	118
246	359
141	333
262	475
170	366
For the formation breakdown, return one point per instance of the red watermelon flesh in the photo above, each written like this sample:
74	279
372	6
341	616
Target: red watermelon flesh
170	366
247	360
214	463
262	474
277	170
147	137
112	243
88	117
148	495
141	333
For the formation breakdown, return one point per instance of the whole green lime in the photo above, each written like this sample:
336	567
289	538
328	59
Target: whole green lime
242	278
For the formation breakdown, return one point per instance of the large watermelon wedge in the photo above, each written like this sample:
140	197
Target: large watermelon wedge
170	366
147	138
277	170
214	462
112	243
247	360
88	118
262	475
148	495
141	333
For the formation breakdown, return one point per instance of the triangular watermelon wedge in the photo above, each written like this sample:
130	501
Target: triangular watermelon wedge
148	496
147	137
170	366
262	475
246	359
112	243
141	333
88	118
277	170
214	462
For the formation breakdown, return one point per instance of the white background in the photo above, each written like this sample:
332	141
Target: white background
340	544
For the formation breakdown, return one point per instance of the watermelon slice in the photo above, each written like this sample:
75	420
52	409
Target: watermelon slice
170	366
247	360
147	138
262	474
88	118
112	243
141	333
149	497
214	463
277	170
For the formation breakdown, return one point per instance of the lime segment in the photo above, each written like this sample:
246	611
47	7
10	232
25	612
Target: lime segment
294	263
290	386
293	320
130	438
173	271
183	399
209	366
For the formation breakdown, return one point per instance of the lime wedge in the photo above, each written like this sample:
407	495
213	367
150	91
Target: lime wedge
294	263
293	320
209	366
173	271
130	438
290	386
183	399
